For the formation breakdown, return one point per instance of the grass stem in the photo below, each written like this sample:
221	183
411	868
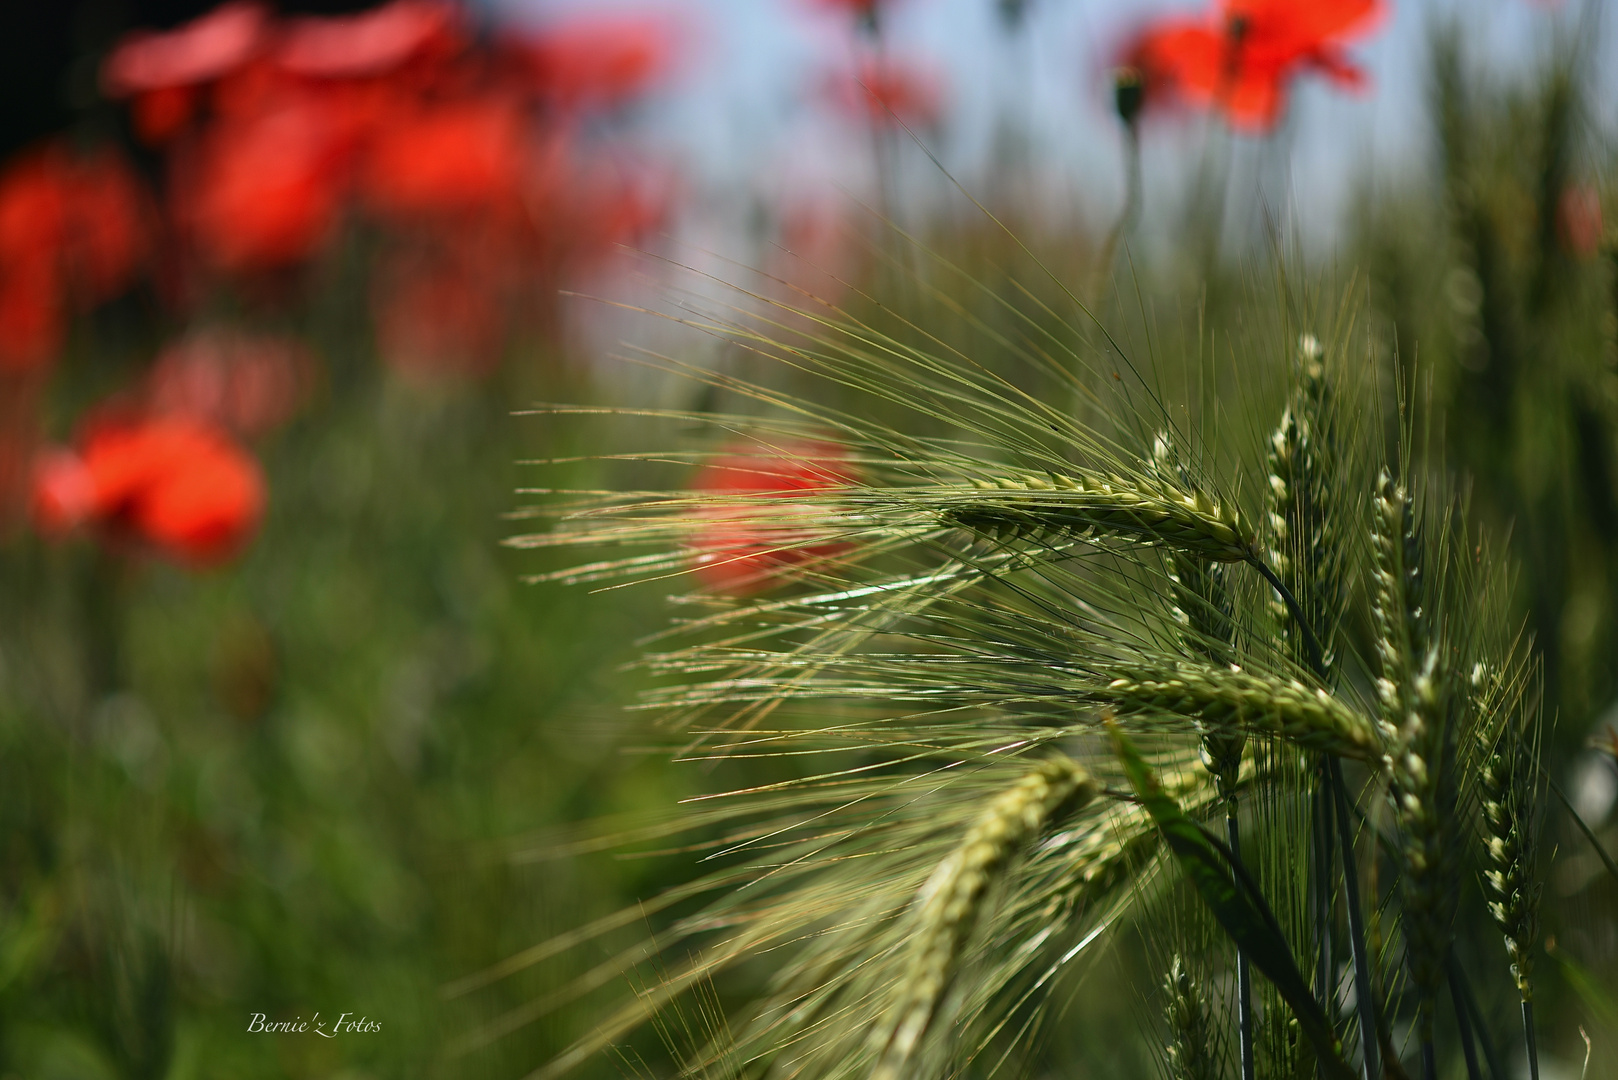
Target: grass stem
1356	921
1317	654
1589	834
1468	1046
1530	1040
1475	1018
1244	977
1324	966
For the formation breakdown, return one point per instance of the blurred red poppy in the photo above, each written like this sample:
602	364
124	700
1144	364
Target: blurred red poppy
71	228
866	11
265	192
200	51
1242	60
33	221
107	229
885	91
439	309
814	254
756	534
179	486
461	156
369	43
1579	227
600	201
31	321
598	61
246	383
161	70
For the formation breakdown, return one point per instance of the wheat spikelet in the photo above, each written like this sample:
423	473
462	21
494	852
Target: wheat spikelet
1417	709
1190	1054
1303	546
948	903
1142	508
1507	798
1203	610
1398	607
1307	716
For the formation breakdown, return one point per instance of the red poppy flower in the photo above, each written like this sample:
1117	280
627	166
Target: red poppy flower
1579	226
447	158
1243	60
200	51
31	325
107	232
758	533
177	485
369	43
866	12
598	61
70	228
160	71
598	202
33	220
265	192
813	255
439	312
886	91
246	383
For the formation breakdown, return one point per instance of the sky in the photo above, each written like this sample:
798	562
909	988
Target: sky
743	122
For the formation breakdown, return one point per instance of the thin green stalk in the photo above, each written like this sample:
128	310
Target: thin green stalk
1475	1018
1528	1037
1317	654
1244	977
1356	924
1323	856
1595	844
1468	1048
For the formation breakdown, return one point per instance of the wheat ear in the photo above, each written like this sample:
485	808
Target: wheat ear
1191	1051
1307	716
948	904
1416	710
1507	794
1303	545
1145	509
1204	611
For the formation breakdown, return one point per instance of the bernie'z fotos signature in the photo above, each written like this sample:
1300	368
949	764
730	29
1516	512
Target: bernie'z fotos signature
329	1029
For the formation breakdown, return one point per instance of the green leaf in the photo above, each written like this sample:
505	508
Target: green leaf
1235	901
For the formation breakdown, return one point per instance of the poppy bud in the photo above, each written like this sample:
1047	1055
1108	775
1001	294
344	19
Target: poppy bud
1128	93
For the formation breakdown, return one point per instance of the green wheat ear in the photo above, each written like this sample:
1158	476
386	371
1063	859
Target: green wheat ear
1508	795
1145	509
947	906
1190	1052
1305	543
